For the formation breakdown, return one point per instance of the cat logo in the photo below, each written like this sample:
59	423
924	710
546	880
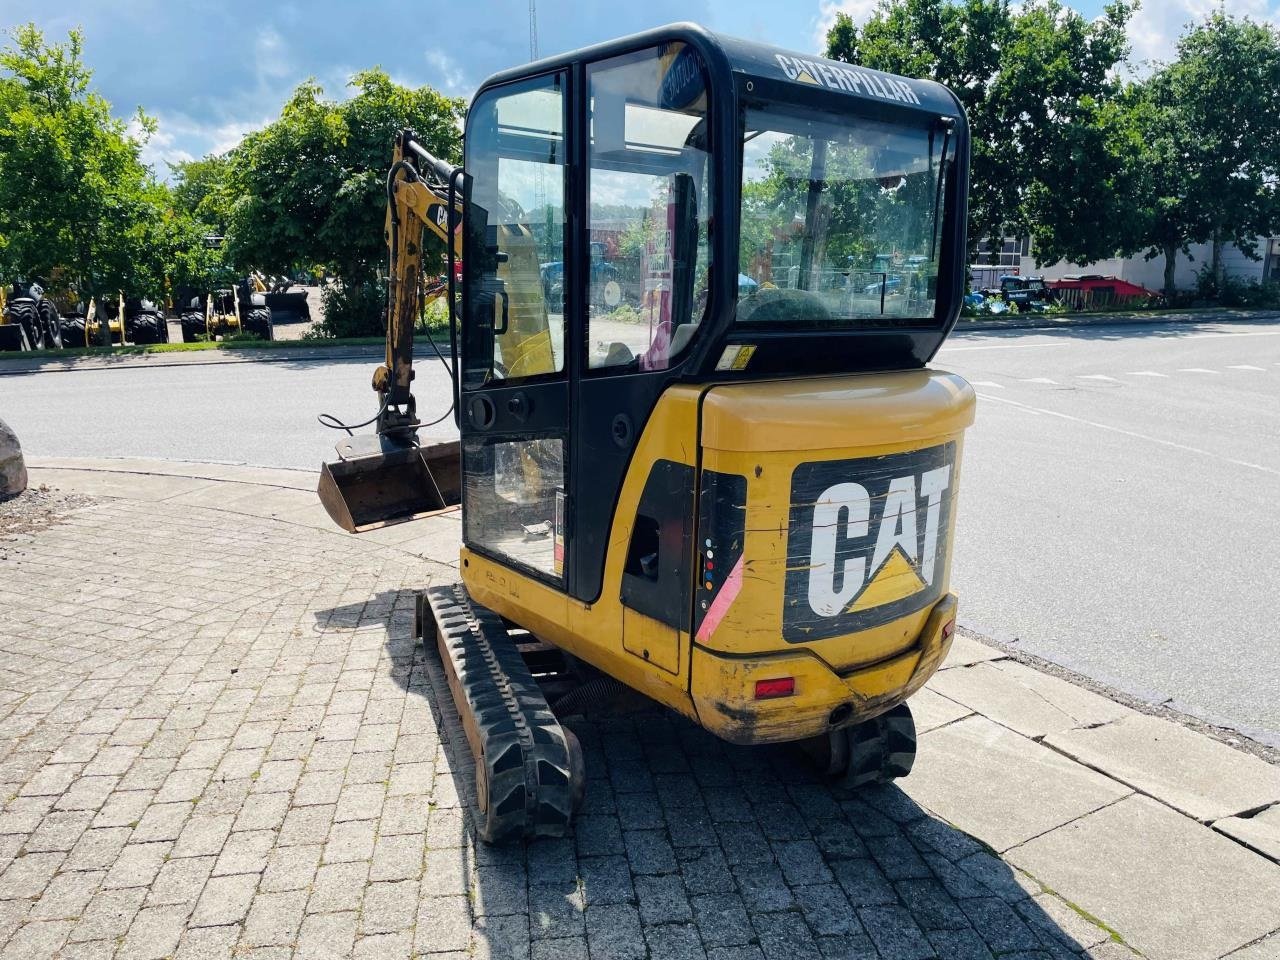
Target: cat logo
868	541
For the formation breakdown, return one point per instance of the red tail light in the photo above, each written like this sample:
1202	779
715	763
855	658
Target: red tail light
779	687
948	629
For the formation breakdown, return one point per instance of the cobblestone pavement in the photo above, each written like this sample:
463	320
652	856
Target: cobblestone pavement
218	738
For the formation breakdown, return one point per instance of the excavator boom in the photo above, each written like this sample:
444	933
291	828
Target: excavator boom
390	477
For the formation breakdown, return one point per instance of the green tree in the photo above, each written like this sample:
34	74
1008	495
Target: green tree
1212	117
311	187
1035	80
75	198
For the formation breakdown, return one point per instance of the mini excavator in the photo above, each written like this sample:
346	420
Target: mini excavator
730	484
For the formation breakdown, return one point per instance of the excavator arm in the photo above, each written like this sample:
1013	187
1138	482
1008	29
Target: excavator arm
391	477
416	201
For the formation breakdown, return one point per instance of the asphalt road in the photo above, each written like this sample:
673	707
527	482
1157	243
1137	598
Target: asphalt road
1120	501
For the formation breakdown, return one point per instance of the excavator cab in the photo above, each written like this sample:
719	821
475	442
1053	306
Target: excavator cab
719	471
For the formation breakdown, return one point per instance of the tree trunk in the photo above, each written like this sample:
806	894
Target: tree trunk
1170	270
1218	270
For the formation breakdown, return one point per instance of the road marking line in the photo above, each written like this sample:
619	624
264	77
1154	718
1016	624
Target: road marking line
1027	408
1038	380
987	383
1080	343
1146	373
1096	376
1245	366
1197	370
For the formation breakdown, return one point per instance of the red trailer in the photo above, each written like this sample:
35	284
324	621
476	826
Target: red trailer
1094	291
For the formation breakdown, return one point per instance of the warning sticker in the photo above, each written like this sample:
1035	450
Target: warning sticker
736	356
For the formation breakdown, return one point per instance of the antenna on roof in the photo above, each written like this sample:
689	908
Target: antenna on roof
533	30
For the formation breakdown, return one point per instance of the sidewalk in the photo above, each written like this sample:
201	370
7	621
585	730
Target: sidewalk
219	738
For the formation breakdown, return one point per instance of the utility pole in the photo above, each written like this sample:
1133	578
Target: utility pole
533	30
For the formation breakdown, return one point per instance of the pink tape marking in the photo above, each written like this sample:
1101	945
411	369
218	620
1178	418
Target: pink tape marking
720	605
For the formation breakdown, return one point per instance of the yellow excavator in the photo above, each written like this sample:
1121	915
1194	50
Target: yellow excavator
732	492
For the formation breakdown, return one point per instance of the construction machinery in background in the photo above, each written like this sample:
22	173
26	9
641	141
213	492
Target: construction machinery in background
227	312
28	319
737	500
286	305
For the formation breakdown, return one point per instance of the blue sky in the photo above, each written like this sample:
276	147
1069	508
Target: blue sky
209	72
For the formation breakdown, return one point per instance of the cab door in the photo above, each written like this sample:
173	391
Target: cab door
513	388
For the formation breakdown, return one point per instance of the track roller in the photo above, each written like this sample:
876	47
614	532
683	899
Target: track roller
529	769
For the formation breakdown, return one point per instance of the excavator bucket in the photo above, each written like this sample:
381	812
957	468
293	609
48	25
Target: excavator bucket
291	307
374	484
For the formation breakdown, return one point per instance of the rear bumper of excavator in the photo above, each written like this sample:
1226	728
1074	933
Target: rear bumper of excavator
724	688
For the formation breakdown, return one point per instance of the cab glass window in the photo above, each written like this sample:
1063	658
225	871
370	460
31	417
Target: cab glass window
842	219
649	208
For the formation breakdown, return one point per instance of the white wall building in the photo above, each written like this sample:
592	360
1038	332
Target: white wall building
1016	256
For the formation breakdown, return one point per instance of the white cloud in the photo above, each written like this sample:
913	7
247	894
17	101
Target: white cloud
448	75
1156	27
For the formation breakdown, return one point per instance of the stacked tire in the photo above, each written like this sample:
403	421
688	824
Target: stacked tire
193	326
147	325
32	325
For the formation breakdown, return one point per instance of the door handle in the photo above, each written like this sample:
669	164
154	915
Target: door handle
506	313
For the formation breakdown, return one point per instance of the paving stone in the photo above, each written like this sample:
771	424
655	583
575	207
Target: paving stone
161	821
28	876
63	899
97	849
338	887
203	836
551	861
350	841
649	852
1048	914
1260	832
895	933
500	890
39	940
266	812
555	910
966	651
224	900
606	880
999	924
662	899
108	915
208	943
154	934
1190	772
330	936
959	944
245	852
598	836
863	882
678	941
1168	885
304	825
180	881
274	919
784	936
801	862
1001	787
896	856
751	952
444	923
614	932
58	831
722	920
827	910
571	948
705	871
397	857
137	865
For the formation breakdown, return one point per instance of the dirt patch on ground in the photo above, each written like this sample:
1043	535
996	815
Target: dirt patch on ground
37	508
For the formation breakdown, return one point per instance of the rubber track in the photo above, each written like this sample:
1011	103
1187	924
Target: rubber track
523	768
881	749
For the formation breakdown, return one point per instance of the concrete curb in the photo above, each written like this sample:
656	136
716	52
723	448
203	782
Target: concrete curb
1169	838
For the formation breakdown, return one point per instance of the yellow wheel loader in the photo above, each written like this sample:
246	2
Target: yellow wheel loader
737	498
228	312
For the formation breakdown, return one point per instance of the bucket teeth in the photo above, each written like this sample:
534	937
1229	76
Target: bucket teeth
525	770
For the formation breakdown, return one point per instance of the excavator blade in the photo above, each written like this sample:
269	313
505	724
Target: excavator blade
291	307
374	483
